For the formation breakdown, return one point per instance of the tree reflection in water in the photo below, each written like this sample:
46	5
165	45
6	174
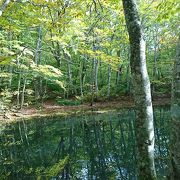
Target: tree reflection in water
93	146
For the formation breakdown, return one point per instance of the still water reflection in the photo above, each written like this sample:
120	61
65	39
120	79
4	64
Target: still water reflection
96	146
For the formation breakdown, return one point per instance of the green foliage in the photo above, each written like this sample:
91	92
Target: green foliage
57	167
52	47
4	60
5	99
68	102
168	9
48	72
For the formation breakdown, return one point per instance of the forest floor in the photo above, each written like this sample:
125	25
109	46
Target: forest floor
50	108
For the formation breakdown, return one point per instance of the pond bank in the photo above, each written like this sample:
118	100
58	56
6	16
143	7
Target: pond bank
49	108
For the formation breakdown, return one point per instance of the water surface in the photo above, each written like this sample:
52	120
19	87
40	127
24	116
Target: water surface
84	147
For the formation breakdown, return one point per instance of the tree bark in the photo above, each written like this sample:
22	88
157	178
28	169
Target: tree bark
4	5
23	92
96	75
175	116
37	59
70	83
38	46
109	81
144	128
82	76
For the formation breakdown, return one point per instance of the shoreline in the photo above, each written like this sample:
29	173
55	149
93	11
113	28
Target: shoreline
50	109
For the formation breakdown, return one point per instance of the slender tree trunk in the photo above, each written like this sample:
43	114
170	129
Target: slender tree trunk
70	84
96	75
175	116
37	57
18	90
56	52
81	80
82	76
10	37
128	80
144	128
155	68
128	75
109	81
23	92
68	60
118	74
95	69
38	46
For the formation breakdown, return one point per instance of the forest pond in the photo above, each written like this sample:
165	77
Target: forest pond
87	146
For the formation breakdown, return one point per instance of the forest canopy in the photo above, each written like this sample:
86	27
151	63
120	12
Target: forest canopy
80	49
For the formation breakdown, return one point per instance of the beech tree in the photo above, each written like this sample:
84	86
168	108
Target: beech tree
175	117
144	128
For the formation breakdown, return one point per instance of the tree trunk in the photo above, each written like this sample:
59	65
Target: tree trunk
37	59
156	54
175	116
4	5
118	74
82	76
38	46
96	75
23	92
144	128
128	75
70	83
19	89
109	81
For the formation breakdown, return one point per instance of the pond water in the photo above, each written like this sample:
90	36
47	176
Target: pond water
87	146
